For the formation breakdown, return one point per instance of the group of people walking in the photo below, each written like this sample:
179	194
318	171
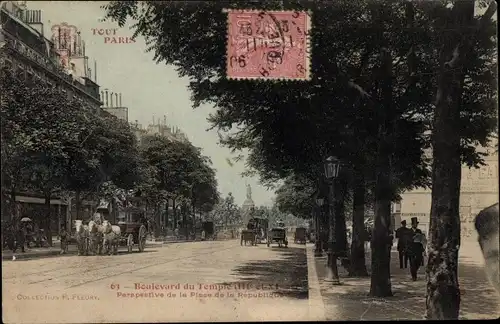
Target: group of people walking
411	247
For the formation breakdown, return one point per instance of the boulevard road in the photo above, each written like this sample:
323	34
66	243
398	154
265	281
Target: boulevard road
197	281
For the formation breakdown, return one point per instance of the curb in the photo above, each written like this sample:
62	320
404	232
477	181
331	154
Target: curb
316	304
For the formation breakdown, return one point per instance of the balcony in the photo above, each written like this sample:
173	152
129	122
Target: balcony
47	63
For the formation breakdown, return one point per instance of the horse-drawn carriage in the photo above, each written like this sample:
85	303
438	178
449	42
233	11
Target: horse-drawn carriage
256	231
100	234
278	235
132	223
300	236
208	231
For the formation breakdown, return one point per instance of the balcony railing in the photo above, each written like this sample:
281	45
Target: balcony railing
44	61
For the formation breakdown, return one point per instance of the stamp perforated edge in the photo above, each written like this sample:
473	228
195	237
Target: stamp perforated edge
274	79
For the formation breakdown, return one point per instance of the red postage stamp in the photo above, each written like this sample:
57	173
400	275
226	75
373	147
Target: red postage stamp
268	45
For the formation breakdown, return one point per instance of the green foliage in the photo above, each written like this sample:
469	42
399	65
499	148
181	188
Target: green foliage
340	110
226	212
93	152
295	197
180	171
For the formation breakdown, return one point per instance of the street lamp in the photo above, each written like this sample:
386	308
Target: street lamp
332	170
318	251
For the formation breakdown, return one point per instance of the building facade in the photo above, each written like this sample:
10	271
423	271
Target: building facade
158	128
34	57
113	105
479	189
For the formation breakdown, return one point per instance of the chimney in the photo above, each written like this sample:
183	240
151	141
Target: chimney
165	120
106	98
111	99
102	95
120	99
116	100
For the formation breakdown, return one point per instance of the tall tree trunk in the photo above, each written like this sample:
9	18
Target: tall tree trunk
47	220
381	273
78	204
167	217
174	210
443	292
340	225
184	211
13	203
358	262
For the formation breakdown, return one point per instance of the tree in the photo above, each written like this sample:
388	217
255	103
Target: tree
182	174
456	77
378	78
44	147
226	212
295	196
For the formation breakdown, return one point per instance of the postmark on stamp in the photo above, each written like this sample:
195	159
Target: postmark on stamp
268	45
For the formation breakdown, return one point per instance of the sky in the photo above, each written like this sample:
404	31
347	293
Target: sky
149	90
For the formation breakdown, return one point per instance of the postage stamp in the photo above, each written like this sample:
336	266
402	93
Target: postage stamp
268	45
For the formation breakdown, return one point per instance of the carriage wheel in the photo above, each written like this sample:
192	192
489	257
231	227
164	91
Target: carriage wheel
142	238
130	242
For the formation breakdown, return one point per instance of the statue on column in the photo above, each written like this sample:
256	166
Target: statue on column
249	192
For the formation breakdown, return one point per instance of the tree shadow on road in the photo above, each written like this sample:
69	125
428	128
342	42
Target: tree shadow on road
286	275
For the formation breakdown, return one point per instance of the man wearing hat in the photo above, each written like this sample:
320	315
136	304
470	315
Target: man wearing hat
404	236
415	248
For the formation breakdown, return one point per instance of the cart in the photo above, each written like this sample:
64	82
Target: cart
248	235
277	235
260	227
300	236
208	228
132	223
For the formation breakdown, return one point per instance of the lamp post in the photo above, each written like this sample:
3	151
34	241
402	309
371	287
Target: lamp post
318	250
332	170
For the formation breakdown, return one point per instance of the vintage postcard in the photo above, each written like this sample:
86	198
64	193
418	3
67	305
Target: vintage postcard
235	161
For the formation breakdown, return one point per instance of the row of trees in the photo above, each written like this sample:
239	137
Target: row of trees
392	81
58	146
226	212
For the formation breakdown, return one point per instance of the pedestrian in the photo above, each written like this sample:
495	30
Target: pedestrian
64	239
404	235
415	249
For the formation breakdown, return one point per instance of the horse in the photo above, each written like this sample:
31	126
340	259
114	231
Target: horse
82	238
111	237
95	238
487	227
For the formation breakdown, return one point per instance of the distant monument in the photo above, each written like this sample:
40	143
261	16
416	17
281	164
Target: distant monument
248	205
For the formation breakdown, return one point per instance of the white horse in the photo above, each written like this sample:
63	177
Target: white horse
111	237
82	237
95	238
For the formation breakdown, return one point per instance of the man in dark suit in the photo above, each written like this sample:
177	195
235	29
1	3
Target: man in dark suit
404	236
415	248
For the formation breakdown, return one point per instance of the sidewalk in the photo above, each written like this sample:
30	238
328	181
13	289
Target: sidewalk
350	301
72	250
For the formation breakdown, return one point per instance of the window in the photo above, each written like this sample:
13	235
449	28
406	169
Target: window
8	64
30	78
21	73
